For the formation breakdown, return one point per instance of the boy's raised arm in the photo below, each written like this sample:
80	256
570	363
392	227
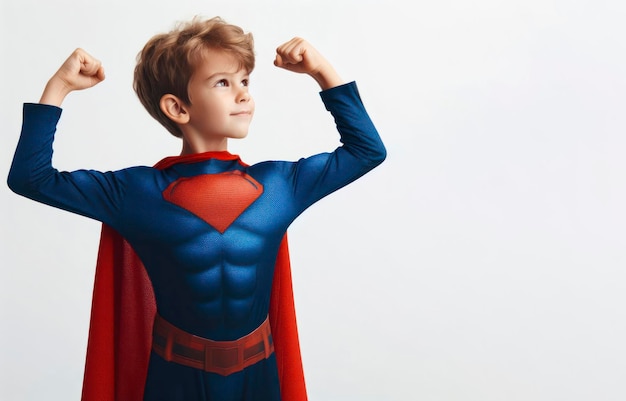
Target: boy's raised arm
79	71
87	192
299	56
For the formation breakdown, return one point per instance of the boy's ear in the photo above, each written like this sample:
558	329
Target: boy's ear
174	109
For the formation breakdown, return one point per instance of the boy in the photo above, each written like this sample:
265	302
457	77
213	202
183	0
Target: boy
208	228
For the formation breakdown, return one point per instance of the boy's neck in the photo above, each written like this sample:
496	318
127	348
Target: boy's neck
193	147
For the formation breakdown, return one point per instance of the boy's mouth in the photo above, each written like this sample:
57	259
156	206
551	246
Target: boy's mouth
242	113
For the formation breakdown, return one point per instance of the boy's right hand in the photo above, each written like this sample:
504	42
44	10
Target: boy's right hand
79	71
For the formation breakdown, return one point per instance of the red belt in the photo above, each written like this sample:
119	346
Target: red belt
221	357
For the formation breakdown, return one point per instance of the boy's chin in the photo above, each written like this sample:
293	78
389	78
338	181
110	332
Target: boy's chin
239	136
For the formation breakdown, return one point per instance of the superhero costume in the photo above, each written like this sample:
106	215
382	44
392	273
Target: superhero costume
208	232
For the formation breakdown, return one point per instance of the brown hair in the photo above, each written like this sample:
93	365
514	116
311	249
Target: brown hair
166	63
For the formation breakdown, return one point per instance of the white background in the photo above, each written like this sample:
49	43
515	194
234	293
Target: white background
484	260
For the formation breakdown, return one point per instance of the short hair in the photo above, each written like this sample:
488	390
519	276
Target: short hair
167	62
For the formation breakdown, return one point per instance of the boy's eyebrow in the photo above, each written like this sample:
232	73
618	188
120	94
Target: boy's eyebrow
215	74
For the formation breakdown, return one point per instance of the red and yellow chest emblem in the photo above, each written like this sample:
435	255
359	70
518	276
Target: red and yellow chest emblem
218	199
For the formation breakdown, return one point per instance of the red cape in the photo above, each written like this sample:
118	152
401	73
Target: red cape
123	309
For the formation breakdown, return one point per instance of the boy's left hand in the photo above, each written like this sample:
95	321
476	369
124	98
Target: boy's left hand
297	55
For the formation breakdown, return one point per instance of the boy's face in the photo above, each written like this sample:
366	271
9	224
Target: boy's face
221	106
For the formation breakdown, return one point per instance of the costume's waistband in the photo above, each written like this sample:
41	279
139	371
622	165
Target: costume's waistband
221	357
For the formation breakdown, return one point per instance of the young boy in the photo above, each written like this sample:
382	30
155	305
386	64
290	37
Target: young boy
209	229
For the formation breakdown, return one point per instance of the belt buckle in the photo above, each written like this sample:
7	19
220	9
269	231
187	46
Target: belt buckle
223	359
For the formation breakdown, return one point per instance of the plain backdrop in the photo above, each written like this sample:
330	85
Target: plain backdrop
484	260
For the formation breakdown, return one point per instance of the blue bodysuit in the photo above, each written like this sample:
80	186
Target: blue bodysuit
207	232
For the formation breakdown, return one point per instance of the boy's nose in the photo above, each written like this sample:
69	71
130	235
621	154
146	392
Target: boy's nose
243	96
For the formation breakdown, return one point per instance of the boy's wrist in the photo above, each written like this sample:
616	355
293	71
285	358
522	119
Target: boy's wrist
327	78
54	92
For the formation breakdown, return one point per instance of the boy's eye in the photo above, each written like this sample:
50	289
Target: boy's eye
245	82
221	82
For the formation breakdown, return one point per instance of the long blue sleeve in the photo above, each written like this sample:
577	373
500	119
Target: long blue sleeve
314	177
86	192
